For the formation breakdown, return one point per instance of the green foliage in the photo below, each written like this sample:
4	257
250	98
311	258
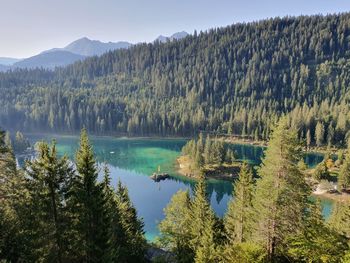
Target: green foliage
239	213
208	152
175	231
19	144
237	79
243	253
281	195
86	200
48	180
340	219
344	173
321	171
51	213
318	242
133	243
12	200
202	227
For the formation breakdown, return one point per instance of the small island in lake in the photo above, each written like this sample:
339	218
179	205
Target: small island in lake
209	157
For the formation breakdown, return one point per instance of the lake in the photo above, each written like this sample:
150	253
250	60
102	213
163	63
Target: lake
133	160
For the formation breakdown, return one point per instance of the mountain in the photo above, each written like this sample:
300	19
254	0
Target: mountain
49	60
8	61
87	47
235	80
175	36
4	68
77	50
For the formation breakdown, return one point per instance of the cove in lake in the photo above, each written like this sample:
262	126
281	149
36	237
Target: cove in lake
133	160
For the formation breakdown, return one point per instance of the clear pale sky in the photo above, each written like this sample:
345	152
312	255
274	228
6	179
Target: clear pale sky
28	27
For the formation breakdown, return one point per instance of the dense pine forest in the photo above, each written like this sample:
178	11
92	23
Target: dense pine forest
237	80
55	210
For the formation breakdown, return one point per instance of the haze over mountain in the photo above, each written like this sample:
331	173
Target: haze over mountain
176	36
4	67
87	47
5	61
77	50
49	60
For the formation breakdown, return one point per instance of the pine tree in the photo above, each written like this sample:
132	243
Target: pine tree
175	232
202	226
308	139
13	196
230	156
48	178
111	229
344	173
239	212
198	158
132	241
281	195
207	151
317	242
86	199
319	134
340	219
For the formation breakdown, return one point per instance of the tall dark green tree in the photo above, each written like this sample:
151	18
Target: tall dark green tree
86	199
202	227
13	197
238	219
344	173
110	225
340	219
175	227
132	240
281	196
318	242
48	178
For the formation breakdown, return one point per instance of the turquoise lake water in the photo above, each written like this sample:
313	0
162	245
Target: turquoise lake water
133	160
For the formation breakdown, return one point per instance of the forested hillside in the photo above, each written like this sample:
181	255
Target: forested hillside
238	79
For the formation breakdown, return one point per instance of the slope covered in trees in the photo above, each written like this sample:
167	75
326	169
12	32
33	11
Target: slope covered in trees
237	79
54	211
272	220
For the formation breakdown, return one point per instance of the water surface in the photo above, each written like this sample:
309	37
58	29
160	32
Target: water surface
133	160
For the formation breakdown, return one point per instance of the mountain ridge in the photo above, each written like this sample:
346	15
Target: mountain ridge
73	52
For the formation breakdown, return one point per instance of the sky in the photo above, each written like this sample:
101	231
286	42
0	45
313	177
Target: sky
27	27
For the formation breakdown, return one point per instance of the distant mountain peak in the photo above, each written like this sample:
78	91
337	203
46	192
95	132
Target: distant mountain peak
175	36
87	47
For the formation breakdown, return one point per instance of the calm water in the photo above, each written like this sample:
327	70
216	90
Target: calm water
133	160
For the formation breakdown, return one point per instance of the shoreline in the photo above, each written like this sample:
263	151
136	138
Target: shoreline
224	172
259	143
337	197
231	140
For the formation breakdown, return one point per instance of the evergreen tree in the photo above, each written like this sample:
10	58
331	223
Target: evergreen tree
202	226
132	241
110	226
239	212
281	195
86	199
230	156
319	133
12	198
21	143
340	219
48	179
175	232
207	151
317	242
344	173
308	139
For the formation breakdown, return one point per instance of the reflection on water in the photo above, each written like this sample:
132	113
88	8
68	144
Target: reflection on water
133	160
